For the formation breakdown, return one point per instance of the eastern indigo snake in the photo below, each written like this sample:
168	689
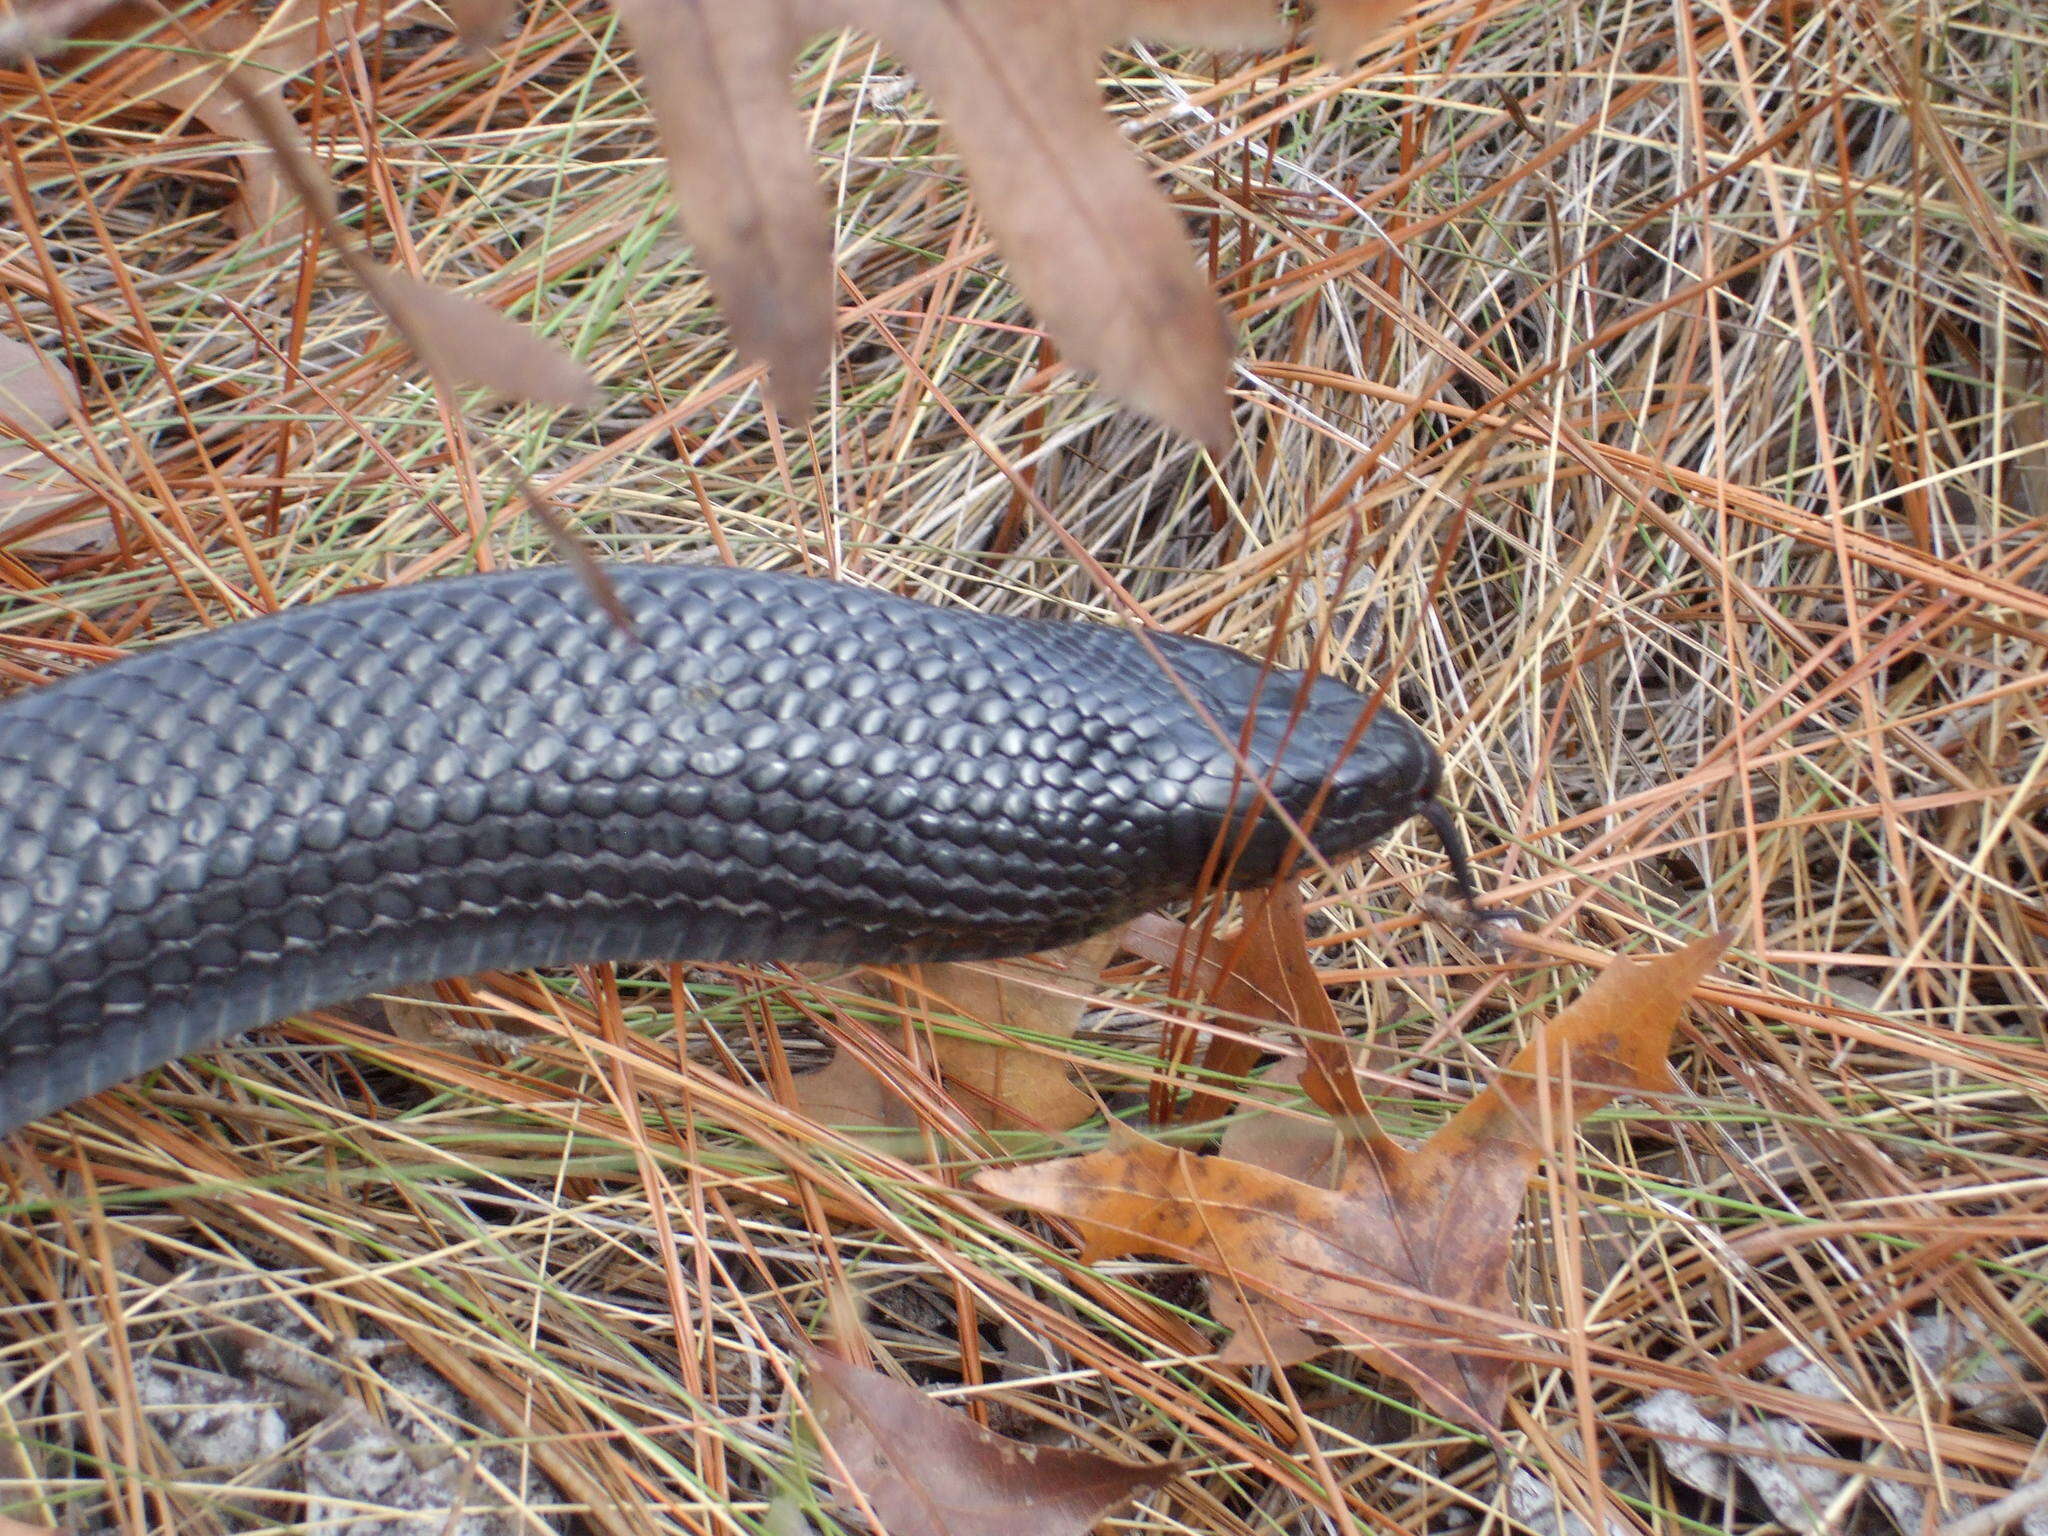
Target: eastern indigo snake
490	772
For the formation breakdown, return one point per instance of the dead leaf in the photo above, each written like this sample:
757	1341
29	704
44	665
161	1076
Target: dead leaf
861	1104
717	79
480	23
1302	1145
1346	28
1011	1085
1262	973
468	342
37	391
1775	1454
1612	1040
1536	1506
927	1470
49	28
1296	1146
1003	1084
1099	254
279	132
1268	975
416	1013
845	1094
1406	1257
268	52
1988	1378
1204	23
16	1528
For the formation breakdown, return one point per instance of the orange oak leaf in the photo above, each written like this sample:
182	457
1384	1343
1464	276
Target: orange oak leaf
1260	974
1297	1146
1405	1255
926	1470
1268	975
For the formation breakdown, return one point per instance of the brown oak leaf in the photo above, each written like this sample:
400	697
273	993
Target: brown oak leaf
1405	1255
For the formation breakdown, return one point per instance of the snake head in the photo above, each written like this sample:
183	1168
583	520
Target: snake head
1345	767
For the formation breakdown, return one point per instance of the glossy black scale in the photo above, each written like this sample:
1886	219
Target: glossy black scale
488	773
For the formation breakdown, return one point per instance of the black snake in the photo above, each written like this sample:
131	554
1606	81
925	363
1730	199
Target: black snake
489	772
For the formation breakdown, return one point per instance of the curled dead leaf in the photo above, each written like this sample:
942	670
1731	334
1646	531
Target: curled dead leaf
717	79
1269	975
928	1470
468	342
1703	1444
36	392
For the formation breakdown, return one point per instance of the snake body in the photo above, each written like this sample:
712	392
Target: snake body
489	772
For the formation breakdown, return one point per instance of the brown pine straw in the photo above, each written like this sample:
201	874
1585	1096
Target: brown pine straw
1656	395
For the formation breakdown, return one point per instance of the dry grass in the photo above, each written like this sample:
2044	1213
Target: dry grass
1657	392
